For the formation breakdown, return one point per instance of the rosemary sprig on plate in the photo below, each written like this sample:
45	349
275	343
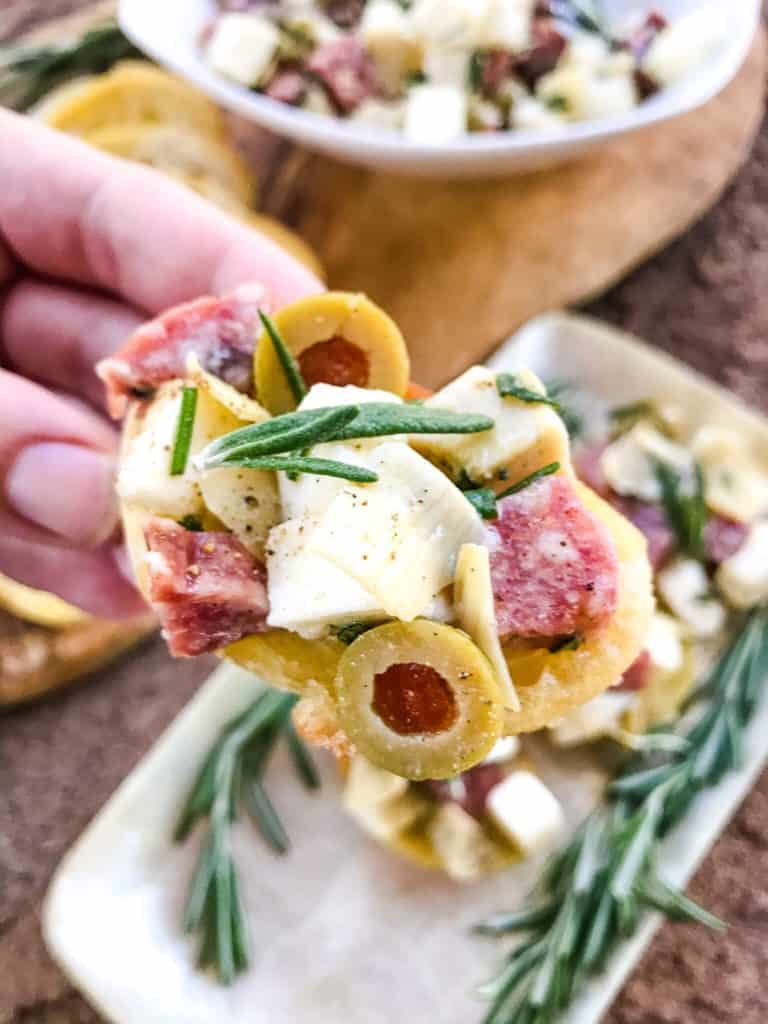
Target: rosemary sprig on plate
594	892
27	73
685	512
229	782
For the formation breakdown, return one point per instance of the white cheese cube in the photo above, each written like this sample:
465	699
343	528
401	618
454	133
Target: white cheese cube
664	643
735	485
384	115
435	114
743	577
586	50
461	843
526	812
388	36
584	95
367	785
443	66
685	44
245	500
508	26
529	114
399	537
629	462
144	478
503	750
457	24
597	718
684	586
310	495
307	593
525	435
243	47
386	821
473	596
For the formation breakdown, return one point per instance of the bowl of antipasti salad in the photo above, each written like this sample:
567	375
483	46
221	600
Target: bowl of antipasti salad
527	616
450	87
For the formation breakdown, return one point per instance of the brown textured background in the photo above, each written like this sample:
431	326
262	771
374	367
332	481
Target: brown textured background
705	299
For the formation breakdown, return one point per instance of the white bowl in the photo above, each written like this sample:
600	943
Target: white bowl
170	30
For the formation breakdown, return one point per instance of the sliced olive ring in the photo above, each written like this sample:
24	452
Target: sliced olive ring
419	699
337	338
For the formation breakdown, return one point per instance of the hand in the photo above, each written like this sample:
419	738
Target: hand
90	247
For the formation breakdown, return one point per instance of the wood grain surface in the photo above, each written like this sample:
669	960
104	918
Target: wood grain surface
705	300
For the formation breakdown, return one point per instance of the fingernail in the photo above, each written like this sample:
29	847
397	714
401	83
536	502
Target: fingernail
65	488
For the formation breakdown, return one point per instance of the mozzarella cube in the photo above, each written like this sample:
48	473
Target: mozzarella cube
399	537
509	25
310	495
461	843
629	462
684	586
243	47
144	478
526	812
457	24
743	577
384	115
307	593
597	718
685	44
529	114
586	50
664	643
367	785
443	66
435	114
503	750
735	486
525	435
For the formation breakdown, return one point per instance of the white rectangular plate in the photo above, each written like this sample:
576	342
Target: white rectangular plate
340	928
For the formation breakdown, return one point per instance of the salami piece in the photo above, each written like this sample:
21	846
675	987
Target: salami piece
469	790
221	332
207	589
554	568
638	674
346	72
652	522
723	537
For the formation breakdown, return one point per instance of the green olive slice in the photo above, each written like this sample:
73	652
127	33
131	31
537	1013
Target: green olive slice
419	699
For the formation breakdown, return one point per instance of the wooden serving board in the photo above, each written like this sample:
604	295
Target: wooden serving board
461	265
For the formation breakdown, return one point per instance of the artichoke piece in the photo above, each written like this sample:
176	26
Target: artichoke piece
337	338
287	661
418	699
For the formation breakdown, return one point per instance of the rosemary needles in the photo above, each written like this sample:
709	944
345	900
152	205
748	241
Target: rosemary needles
595	891
230	782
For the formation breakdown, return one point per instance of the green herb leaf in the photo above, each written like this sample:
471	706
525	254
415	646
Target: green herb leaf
191	522
295	435
686	513
349	633
302	759
483	500
537	474
563	392
508	387
567	643
632	411
317	467
284	356
184	428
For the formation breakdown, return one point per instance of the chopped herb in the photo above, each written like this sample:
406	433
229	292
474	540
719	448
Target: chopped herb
633	411
184	428
483	500
416	78
595	892
475	71
538	474
558	103
290	367
508	387
316	467
567	643
573	420
191	522
465	482
231	781
686	513
352	631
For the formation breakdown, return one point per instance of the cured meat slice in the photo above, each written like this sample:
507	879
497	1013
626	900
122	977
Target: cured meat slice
469	790
652	522
638	674
221	332
207	589
723	537
554	568
346	71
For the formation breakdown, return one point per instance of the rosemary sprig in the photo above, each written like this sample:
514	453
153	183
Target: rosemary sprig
686	513
307	464
184	428
373	419
230	781
285	357
27	73
595	891
508	387
484	499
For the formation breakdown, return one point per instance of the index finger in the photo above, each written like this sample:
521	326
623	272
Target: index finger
70	212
